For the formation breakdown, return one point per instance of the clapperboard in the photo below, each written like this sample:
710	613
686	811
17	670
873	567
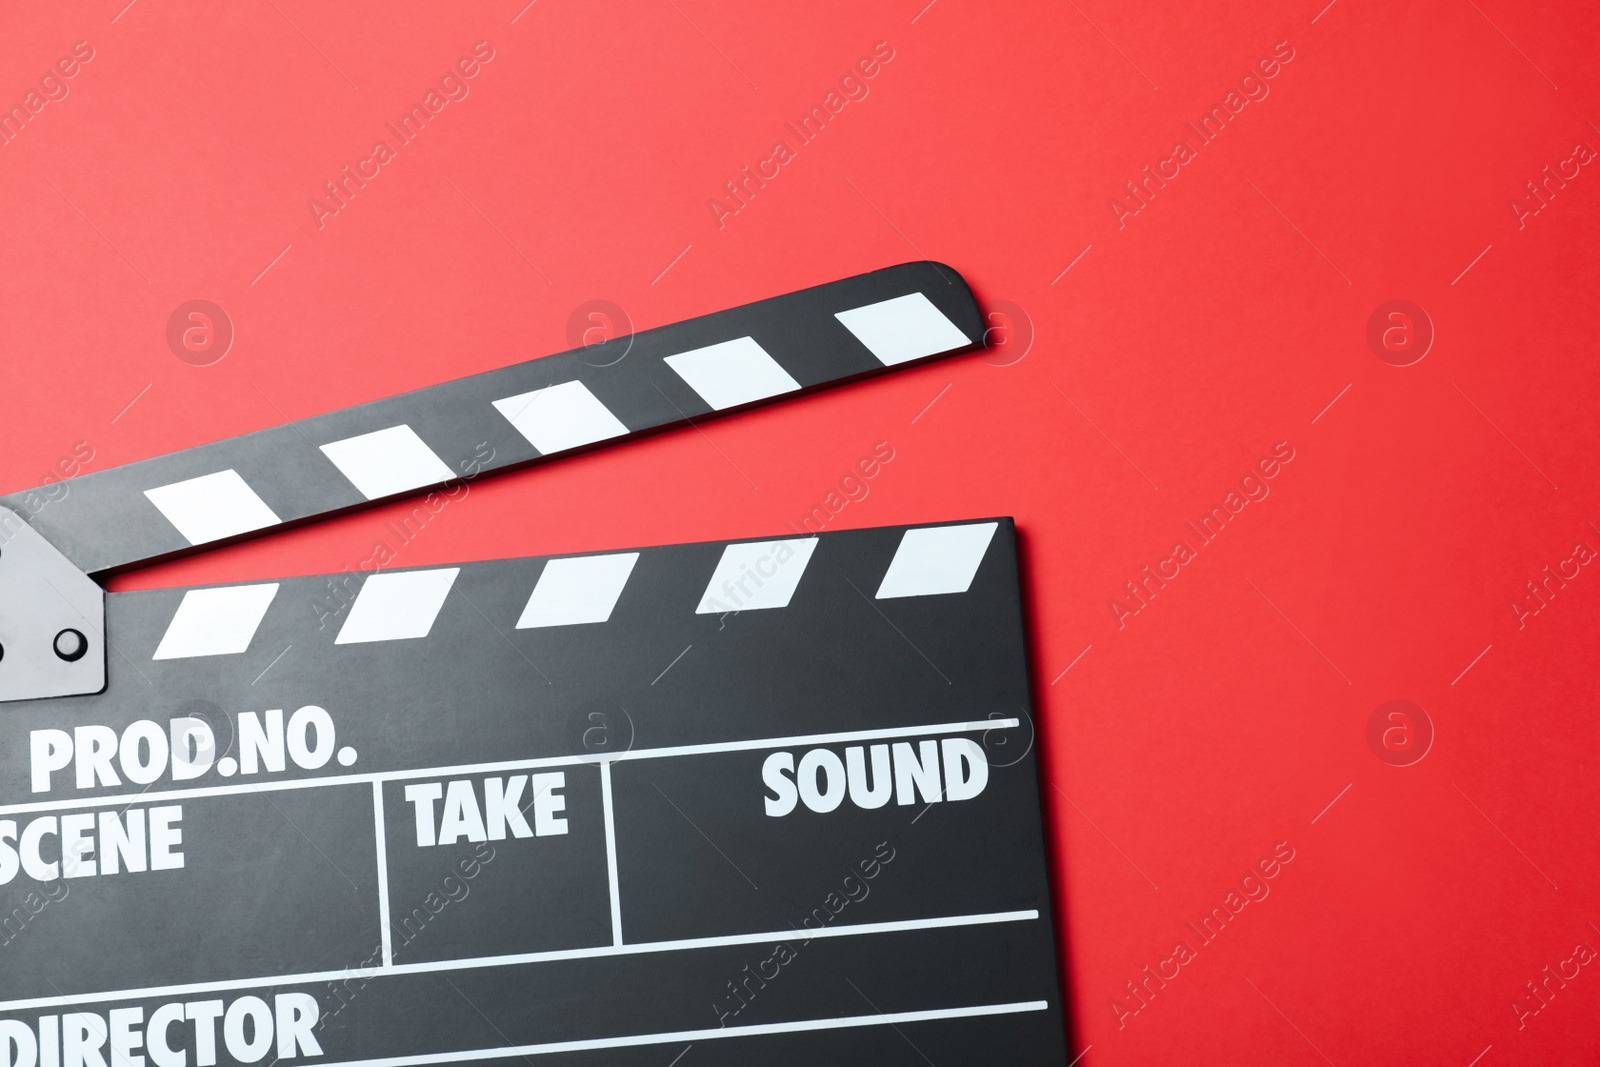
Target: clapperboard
766	800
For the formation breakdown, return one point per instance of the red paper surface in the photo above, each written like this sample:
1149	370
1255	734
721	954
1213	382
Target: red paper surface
1145	363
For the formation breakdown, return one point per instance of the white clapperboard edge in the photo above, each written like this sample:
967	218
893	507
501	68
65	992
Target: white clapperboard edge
893	316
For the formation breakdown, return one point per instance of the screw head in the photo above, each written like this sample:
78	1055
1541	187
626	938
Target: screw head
71	645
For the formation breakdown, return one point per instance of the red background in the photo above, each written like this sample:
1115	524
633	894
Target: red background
1223	318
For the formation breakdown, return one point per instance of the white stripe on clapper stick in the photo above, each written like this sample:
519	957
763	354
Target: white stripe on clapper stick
212	507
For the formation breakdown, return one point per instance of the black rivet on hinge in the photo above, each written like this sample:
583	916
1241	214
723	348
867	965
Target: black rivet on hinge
71	645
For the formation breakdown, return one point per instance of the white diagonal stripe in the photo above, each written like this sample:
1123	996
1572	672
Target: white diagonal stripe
905	328
386	462
216	622
732	373
582	589
559	417
756	574
397	607
212	506
936	559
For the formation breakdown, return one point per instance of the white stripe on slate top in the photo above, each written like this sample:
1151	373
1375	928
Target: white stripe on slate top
905	328
732	373
582	589
937	559
398	606
386	462
212	506
577	590
559	417
756	574
216	622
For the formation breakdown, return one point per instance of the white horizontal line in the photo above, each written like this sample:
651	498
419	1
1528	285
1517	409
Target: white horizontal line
635	1040
642	948
817	739
277	785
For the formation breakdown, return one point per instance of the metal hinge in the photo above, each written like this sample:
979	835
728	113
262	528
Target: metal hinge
52	619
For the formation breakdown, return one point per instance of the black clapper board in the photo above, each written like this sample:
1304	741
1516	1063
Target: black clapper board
769	800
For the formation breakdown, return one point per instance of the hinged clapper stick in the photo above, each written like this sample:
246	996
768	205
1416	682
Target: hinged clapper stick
768	800
244	486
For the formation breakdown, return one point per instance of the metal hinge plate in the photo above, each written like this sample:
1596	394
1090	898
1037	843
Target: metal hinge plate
52	619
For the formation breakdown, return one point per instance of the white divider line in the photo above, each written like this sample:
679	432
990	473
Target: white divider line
611	853
637	949
383	872
804	740
466	769
753	1030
